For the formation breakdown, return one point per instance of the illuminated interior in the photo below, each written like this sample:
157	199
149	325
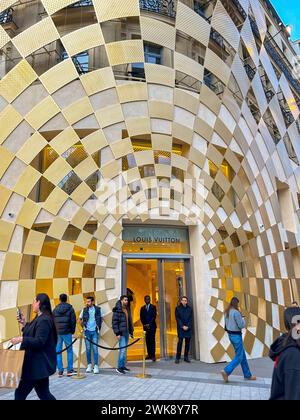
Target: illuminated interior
143	278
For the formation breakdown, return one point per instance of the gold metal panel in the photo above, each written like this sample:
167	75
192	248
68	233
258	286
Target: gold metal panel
98	80
57	171
64	140
83	39
17	80
26	292
42	113
188	66
160	74
158	32
6	231
59	76
114	9
5	4
110	115
28	214
27	181
4	38
94	142
6	157
36	36
132	92
223	23
192	24
9	120
78	110
53	6
33	146
123	52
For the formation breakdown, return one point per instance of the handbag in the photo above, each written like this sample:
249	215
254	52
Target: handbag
11	364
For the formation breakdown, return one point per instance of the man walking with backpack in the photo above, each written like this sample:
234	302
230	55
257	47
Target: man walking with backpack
65	320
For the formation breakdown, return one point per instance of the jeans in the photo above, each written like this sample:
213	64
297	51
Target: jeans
67	339
123	353
93	336
186	349
40	386
240	357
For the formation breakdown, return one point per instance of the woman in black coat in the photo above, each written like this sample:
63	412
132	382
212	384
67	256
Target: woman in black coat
285	352
39	342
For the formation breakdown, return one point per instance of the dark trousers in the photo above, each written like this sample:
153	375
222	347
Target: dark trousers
151	344
40	386
186	350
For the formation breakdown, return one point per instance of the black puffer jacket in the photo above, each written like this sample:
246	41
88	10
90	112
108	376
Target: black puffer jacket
65	319
285	352
119	322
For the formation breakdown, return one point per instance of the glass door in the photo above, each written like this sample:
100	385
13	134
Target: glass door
174	287
165	281
142	280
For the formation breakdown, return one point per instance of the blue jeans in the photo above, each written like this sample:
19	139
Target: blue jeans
93	336
123	353
240	357
67	339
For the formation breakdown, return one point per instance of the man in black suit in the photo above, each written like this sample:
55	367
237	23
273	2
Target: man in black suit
148	319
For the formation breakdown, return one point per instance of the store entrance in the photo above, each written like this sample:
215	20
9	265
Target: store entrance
165	280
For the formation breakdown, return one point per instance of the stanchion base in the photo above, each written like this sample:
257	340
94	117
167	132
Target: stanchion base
141	376
81	376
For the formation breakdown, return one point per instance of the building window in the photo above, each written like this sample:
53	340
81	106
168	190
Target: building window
81	61
153	54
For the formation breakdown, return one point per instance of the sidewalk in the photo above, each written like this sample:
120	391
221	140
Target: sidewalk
196	381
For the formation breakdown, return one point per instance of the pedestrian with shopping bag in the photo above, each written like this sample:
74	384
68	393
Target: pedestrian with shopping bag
39	343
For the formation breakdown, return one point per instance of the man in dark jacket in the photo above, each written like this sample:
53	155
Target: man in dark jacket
65	321
285	352
123	328
148	319
184	318
91	321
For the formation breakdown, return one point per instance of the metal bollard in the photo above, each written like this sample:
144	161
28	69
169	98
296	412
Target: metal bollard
79	374
144	375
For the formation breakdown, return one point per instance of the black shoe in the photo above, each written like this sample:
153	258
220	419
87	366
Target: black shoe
120	371
126	369
148	357
187	360
153	359
176	362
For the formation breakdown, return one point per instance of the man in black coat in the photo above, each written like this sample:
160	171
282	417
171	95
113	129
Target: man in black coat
123	328
148	318
65	320
184	318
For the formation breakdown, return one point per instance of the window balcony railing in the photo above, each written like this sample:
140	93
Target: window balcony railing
250	71
277	56
6	16
81	3
164	7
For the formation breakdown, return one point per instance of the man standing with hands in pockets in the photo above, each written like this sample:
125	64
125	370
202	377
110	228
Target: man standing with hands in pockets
123	328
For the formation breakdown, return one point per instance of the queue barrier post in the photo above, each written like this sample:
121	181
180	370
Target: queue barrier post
79	374
143	375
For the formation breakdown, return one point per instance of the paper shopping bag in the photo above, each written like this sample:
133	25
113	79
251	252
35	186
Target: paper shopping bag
11	363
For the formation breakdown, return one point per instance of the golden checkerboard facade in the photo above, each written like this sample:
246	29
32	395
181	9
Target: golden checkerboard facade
71	236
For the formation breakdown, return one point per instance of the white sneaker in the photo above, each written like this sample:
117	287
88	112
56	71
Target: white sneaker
96	370
89	369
